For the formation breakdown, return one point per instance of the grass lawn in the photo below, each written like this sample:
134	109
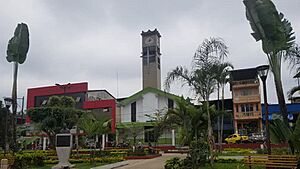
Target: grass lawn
77	166
231	166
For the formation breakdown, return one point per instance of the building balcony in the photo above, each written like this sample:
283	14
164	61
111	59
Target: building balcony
248	115
244	85
247	99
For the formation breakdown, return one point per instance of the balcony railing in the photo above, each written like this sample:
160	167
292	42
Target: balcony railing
246	85
248	115
246	99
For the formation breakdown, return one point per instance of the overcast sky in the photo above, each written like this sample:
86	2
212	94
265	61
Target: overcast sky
94	40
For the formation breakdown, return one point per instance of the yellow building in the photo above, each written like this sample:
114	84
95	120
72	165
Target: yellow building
245	89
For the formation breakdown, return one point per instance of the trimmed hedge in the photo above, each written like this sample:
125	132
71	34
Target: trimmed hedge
23	160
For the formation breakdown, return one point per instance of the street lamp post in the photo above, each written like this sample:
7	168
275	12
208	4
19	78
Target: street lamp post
8	103
262	71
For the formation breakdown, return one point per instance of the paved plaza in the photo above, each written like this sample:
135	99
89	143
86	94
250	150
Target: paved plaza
156	163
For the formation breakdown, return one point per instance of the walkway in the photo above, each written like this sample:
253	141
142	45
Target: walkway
155	163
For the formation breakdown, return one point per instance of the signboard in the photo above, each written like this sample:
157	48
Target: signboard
63	140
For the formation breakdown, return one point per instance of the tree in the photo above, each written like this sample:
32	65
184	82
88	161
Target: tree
57	115
16	52
294	61
93	127
185	115
202	78
134	130
277	38
280	133
222	73
292	91
3	113
160	124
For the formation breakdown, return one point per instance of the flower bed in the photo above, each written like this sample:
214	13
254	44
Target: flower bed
142	157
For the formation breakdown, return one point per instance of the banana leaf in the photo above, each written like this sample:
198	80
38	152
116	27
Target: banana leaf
269	26
18	45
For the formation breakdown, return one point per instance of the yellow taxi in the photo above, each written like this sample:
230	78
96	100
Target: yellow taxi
236	138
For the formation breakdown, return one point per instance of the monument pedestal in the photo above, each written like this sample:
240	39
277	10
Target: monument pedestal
4	164
63	154
63	151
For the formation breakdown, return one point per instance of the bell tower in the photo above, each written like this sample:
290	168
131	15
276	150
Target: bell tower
151	59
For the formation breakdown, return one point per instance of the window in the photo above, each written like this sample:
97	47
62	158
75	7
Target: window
149	134
152	48
246	92
78	99
152	59
44	102
246	107
237	108
170	104
144	50
256	107
133	112
144	61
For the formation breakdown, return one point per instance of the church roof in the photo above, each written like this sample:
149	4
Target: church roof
139	94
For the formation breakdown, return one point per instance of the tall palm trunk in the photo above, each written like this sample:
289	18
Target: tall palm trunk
14	104
222	118
275	63
218	118
210	136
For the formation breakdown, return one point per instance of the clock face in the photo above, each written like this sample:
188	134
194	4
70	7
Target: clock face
149	40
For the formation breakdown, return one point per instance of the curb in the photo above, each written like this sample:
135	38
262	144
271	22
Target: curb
112	166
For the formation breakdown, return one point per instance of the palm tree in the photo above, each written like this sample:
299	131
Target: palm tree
293	57
280	133
222	73
277	38
292	91
184	116
93	127
202	78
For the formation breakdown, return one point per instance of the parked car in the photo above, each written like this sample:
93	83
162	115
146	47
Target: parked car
236	138
257	138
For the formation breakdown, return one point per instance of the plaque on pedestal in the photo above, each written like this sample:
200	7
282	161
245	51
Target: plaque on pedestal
63	150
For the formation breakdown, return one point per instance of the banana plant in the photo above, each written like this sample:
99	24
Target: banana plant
280	133
16	52
277	36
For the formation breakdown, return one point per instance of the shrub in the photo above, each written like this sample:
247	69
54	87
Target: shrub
281	151
229	160
173	163
24	160
237	151
137	152
261	151
87	160
198	152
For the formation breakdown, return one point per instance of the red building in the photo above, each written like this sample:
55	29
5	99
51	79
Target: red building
100	102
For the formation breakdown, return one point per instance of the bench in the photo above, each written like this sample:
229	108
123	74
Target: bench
272	161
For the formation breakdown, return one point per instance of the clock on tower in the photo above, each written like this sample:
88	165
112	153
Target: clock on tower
151	59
